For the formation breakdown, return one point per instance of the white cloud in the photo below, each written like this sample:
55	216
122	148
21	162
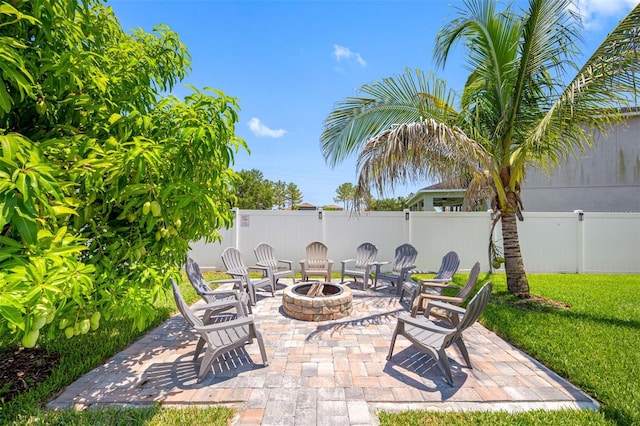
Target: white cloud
593	12
341	52
261	130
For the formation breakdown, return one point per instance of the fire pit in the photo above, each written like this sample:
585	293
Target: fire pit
317	301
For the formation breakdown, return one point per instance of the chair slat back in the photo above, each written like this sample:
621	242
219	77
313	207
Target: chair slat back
195	277
317	255
266	256
405	256
232	259
475	307
184	309
365	254
449	266
467	289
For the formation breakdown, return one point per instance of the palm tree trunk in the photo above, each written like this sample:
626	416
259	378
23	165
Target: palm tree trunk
517	282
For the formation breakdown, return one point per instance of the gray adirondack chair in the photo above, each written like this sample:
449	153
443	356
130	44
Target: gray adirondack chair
317	262
219	337
425	296
220	300
279	267
434	339
233	261
404	261
362	265
448	267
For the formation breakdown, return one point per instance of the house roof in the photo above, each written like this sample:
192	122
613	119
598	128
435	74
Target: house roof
306	206
440	187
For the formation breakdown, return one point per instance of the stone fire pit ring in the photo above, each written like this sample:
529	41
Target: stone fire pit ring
334	303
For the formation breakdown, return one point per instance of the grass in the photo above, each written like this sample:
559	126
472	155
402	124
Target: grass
85	352
594	344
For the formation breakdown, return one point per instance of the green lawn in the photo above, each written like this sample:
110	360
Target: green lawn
594	344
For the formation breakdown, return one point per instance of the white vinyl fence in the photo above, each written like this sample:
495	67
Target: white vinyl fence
550	242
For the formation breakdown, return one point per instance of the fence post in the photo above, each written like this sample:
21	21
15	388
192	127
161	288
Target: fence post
236	229
580	242
407	226
321	224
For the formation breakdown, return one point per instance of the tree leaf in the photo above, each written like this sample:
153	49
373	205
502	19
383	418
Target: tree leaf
26	226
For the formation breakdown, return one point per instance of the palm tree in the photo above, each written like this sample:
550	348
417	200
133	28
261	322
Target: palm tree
516	110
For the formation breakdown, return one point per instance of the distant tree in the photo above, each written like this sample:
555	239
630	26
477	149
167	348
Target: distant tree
345	194
294	195
389	204
255	192
280	194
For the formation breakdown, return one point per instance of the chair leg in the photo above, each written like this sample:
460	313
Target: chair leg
463	350
413	295
209	356
445	367
393	342
401	293
199	347
263	353
252	293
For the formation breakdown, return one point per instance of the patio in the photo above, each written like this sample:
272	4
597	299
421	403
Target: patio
332	372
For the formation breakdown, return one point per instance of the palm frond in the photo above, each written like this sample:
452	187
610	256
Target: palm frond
424	149
607	83
548	48
402	99
491	44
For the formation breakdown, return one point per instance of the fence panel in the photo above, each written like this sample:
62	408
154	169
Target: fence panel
550	242
344	232
611	243
435	233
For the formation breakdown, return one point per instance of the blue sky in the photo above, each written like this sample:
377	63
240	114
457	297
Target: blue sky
289	62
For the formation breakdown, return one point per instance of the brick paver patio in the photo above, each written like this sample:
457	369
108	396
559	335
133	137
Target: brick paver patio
332	373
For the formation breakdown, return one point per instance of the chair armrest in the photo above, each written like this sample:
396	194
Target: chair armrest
224	281
226	324
266	271
213	305
436	281
222	293
439	297
347	261
425	285
405	272
423	324
445	306
378	264
288	262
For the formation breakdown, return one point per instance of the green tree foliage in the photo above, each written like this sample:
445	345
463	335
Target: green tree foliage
280	194
389	204
294	195
254	192
103	181
345	194
515	111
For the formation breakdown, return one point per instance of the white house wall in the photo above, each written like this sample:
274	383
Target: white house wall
550	242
